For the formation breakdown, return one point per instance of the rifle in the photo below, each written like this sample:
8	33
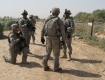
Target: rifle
22	43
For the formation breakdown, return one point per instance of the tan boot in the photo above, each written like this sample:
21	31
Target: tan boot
33	41
69	57
64	56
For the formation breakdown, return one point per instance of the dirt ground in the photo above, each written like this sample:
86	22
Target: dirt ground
88	62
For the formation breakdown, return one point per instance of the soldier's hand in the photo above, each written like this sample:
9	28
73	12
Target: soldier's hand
17	40
42	40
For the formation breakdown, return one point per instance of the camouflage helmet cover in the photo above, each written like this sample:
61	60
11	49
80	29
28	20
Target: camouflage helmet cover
55	10
24	12
67	11
30	15
13	26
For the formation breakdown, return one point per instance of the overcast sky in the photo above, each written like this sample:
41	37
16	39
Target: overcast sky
42	8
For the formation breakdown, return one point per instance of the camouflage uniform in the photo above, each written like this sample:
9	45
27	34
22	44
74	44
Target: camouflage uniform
32	20
68	22
25	29
53	42
14	48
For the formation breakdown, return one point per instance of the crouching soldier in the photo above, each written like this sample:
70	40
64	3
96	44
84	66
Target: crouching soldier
16	46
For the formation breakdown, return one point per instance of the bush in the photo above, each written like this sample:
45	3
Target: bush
102	44
8	24
1	30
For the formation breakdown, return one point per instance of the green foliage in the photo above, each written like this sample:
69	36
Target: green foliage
102	44
1	29
97	15
36	17
83	31
8	24
98	28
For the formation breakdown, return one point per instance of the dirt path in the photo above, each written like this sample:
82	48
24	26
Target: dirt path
88	63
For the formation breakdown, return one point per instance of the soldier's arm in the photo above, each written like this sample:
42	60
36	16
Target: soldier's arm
13	40
43	27
62	28
72	25
43	31
21	24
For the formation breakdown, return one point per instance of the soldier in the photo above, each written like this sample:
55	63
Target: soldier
69	29
14	46
32	20
52	29
25	27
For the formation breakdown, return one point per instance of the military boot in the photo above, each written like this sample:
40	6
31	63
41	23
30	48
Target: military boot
24	62
46	68
58	69
69	57
33	41
64	55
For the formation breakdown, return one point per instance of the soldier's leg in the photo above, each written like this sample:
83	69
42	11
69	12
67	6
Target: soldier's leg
26	36
33	36
11	58
56	53
47	55
25	51
69	48
29	36
64	50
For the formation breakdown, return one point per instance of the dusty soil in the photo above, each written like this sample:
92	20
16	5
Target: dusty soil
88	62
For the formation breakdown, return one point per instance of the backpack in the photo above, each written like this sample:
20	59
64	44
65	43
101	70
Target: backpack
51	27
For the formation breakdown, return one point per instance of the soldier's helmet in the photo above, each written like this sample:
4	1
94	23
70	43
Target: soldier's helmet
13	26
31	16
67	11
55	10
24	12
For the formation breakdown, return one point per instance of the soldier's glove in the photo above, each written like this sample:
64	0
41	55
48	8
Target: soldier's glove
42	40
62	42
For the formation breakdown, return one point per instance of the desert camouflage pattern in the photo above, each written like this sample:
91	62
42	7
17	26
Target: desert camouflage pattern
14	48
68	22
33	21
53	43
23	28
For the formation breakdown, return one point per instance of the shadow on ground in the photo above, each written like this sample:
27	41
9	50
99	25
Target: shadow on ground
38	56
81	73
3	37
43	45
86	60
30	65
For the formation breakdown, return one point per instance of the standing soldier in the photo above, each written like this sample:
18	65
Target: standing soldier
16	46
32	20
52	29
25	27
69	29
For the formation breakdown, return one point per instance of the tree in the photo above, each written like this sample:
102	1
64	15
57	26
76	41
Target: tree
36	17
